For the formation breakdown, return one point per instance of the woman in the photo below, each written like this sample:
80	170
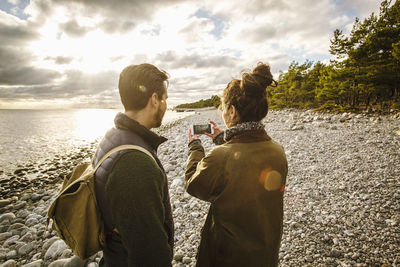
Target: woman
243	177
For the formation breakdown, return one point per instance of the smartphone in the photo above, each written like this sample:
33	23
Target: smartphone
202	128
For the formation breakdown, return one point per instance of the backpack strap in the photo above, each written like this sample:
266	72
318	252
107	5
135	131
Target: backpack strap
123	147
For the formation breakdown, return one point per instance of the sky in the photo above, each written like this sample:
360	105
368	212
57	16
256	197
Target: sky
69	53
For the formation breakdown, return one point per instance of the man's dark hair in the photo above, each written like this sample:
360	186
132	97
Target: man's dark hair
138	82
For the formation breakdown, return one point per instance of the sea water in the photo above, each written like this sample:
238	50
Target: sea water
28	135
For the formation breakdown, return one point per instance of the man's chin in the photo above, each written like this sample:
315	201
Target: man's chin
158	124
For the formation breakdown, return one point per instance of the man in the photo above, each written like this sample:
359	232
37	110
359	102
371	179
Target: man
131	189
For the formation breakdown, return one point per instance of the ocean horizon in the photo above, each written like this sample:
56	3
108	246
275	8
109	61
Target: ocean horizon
28	136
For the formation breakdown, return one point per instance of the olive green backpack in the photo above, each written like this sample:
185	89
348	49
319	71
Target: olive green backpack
75	213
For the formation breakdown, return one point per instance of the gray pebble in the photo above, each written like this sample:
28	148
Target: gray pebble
22	214
37	263
178	256
55	250
19	205
11	241
10	263
186	260
12	254
7	216
74	262
26	249
36	196
58	263
49	242
5	235
32	221
4	202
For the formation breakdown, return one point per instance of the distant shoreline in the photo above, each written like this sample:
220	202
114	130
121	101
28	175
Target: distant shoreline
192	109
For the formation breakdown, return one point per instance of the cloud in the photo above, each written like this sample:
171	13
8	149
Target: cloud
74	84
14	31
15	60
63	60
26	75
174	60
73	29
117	16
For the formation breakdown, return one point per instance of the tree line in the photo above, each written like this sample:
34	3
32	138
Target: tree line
214	101
365	72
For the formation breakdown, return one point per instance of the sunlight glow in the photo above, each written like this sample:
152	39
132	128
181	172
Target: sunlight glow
93	123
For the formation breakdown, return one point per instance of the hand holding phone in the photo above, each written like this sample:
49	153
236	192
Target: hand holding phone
202	128
215	128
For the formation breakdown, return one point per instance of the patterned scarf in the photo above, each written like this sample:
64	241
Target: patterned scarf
227	135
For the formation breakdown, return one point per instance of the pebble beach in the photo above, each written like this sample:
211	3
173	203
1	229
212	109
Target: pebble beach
341	203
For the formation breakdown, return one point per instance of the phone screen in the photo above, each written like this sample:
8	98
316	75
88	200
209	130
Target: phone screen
202	128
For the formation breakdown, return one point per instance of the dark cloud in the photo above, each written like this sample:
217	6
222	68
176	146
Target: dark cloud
16	34
15	69
60	60
26	75
15	60
76	84
73	29
122	15
117	25
63	60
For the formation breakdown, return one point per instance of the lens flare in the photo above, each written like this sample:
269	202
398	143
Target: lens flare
270	179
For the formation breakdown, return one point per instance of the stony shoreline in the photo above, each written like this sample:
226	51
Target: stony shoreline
342	201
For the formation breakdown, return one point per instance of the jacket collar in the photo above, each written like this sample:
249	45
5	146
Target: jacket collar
242	127
125	123
250	136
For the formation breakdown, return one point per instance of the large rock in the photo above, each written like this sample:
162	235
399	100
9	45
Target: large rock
10	263
55	250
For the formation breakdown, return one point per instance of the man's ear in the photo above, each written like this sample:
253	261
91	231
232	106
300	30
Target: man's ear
154	99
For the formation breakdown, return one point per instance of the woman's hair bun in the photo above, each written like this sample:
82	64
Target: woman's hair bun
256	82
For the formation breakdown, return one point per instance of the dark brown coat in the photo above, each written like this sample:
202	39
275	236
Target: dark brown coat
244	180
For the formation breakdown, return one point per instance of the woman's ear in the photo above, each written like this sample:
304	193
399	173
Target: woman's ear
234	115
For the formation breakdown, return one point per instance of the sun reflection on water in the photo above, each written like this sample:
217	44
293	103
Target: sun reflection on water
93	123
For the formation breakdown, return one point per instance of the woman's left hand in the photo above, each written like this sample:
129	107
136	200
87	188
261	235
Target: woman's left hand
216	131
192	136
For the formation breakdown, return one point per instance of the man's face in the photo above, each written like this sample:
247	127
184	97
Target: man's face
162	107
